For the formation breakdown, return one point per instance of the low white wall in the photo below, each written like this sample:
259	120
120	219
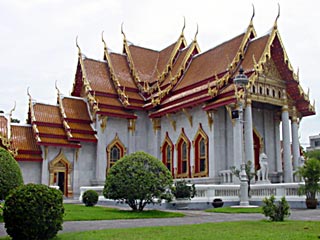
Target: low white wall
208	192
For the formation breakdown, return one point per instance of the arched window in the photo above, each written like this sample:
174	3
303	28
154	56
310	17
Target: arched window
200	144
183	150
115	151
167	153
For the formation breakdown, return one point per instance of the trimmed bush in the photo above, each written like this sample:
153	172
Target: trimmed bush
182	189
138	179
10	173
90	198
33	211
276	211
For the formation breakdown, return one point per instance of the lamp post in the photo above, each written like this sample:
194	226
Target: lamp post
241	81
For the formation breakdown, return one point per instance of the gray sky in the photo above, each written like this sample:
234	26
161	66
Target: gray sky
37	39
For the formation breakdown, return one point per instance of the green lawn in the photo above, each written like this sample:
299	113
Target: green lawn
235	210
245	230
75	212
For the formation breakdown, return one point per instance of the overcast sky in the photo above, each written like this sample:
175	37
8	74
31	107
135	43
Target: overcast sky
37	39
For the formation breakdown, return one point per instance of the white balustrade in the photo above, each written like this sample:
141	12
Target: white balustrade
227	192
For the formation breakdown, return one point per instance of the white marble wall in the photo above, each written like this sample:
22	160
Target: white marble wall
31	171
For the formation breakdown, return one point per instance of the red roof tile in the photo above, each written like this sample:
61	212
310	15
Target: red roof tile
3	126
211	62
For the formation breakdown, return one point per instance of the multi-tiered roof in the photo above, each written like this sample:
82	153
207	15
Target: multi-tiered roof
160	83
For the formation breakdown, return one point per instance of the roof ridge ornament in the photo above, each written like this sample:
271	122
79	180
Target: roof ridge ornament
79	50
184	26
196	34
276	21
122	32
253	14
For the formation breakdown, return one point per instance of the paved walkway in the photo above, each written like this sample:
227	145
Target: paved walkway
192	217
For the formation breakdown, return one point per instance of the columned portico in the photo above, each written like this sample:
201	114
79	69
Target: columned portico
295	139
288	177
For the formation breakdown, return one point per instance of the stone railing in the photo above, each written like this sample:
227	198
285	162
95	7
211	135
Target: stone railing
208	192
258	192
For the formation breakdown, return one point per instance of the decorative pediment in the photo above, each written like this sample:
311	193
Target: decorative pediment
270	70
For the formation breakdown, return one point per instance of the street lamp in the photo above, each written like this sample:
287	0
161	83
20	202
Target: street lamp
241	81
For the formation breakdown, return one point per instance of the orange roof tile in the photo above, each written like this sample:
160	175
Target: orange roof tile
121	69
211	62
75	109
57	131
23	138
255	48
28	157
83	136
112	101
164	56
145	62
177	64
58	141
80	126
47	113
3	126
98	76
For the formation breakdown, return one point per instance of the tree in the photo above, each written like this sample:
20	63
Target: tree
138	179
10	173
33	212
250	175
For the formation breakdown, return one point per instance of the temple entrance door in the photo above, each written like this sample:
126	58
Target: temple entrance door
257	142
61	183
60	174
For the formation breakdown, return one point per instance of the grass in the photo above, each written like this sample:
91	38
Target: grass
235	210
75	212
244	230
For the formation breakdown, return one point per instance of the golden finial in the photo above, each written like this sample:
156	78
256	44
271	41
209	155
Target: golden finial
104	43
253	14
13	109
28	93
122	32
79	50
195	36
184	25
56	86
275	22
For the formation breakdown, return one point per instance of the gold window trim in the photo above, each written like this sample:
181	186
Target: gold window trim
167	141
115	142
183	138
196	144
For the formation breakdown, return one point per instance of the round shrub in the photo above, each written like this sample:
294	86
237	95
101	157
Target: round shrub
90	198
33	211
10	173
138	179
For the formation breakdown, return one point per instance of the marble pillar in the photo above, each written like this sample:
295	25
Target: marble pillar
249	148
295	140
288	175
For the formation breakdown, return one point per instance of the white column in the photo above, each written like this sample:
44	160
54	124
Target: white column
288	177
45	172
45	169
249	133
101	157
278	145
295	140
237	141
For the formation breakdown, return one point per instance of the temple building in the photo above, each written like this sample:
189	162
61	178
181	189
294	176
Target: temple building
179	104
